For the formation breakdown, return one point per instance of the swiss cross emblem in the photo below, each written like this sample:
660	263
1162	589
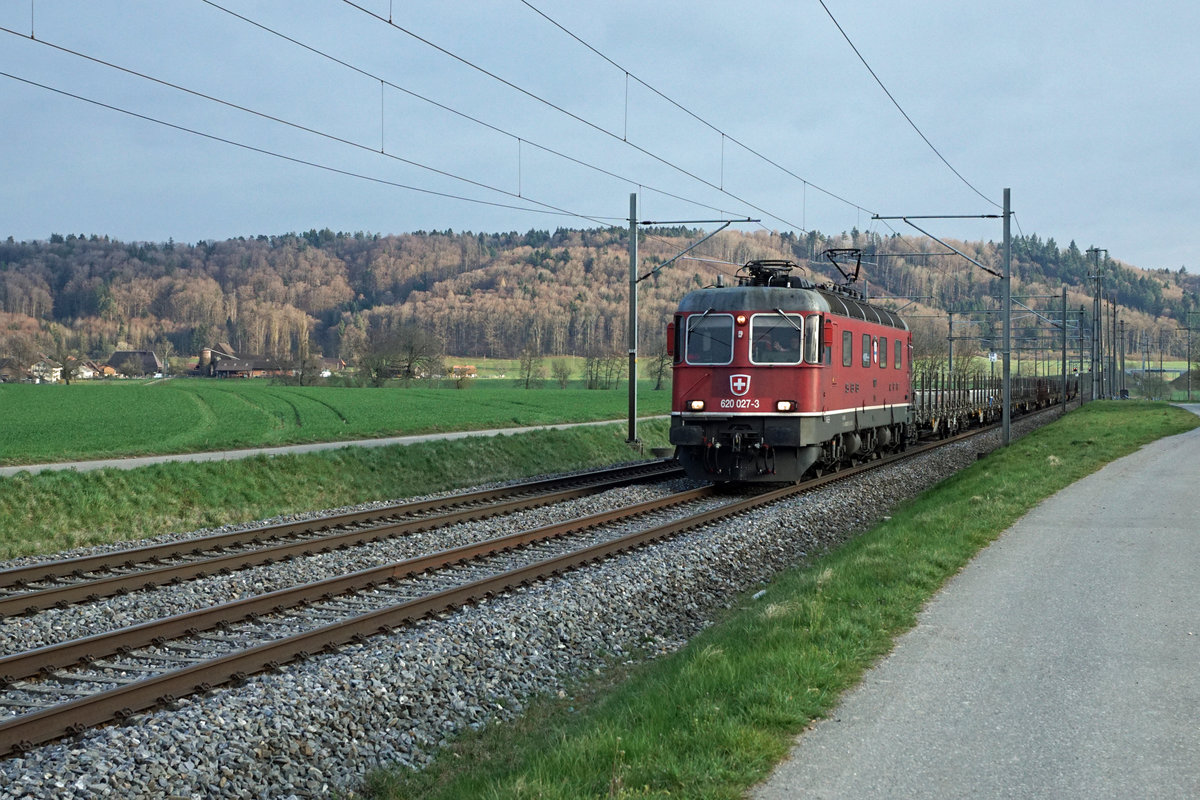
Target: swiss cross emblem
739	384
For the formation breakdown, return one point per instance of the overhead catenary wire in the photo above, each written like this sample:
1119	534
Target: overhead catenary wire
724	135
457	112
598	219
382	149
298	126
554	106
305	162
899	108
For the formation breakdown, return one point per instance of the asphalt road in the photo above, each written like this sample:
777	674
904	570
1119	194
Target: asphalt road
1063	662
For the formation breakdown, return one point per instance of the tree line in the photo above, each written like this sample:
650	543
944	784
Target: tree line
551	294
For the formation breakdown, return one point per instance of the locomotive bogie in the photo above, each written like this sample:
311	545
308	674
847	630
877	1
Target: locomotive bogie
777	448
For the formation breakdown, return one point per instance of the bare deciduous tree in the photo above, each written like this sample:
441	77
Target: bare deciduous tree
660	365
560	369
532	369
406	352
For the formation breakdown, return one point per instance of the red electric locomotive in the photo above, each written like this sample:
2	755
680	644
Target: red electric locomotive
775	378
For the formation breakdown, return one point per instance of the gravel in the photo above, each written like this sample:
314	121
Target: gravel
319	726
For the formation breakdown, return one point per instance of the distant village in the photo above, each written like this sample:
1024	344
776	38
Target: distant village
219	361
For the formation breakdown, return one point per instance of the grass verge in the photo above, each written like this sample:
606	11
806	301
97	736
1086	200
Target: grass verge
53	511
714	718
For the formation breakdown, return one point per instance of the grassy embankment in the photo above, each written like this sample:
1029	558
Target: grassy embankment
53	511
105	419
714	718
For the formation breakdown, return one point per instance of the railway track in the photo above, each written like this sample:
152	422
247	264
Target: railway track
28	589
63	689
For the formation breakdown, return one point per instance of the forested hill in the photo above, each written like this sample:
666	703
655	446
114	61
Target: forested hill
480	294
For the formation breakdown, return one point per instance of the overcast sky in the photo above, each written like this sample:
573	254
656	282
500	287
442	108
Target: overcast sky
1087	110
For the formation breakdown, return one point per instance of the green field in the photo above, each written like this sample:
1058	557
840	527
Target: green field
86	420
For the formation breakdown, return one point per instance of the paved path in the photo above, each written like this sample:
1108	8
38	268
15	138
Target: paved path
1063	662
225	455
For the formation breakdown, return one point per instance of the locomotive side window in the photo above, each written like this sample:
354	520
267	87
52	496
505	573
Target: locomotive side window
866	353
776	338
710	339
883	352
677	333
899	350
812	339
847	348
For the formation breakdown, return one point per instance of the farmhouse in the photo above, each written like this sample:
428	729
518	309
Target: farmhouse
46	371
250	367
83	370
11	370
135	363
220	361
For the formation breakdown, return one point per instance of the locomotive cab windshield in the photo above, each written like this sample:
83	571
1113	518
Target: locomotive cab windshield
709	339
776	338
785	338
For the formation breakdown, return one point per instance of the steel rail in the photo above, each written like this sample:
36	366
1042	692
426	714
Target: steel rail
21	733
30	602
46	660
52	570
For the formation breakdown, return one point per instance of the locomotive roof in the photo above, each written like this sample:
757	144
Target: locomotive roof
769	298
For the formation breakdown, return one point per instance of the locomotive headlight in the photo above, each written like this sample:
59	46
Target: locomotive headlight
785	405
741	319
696	405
